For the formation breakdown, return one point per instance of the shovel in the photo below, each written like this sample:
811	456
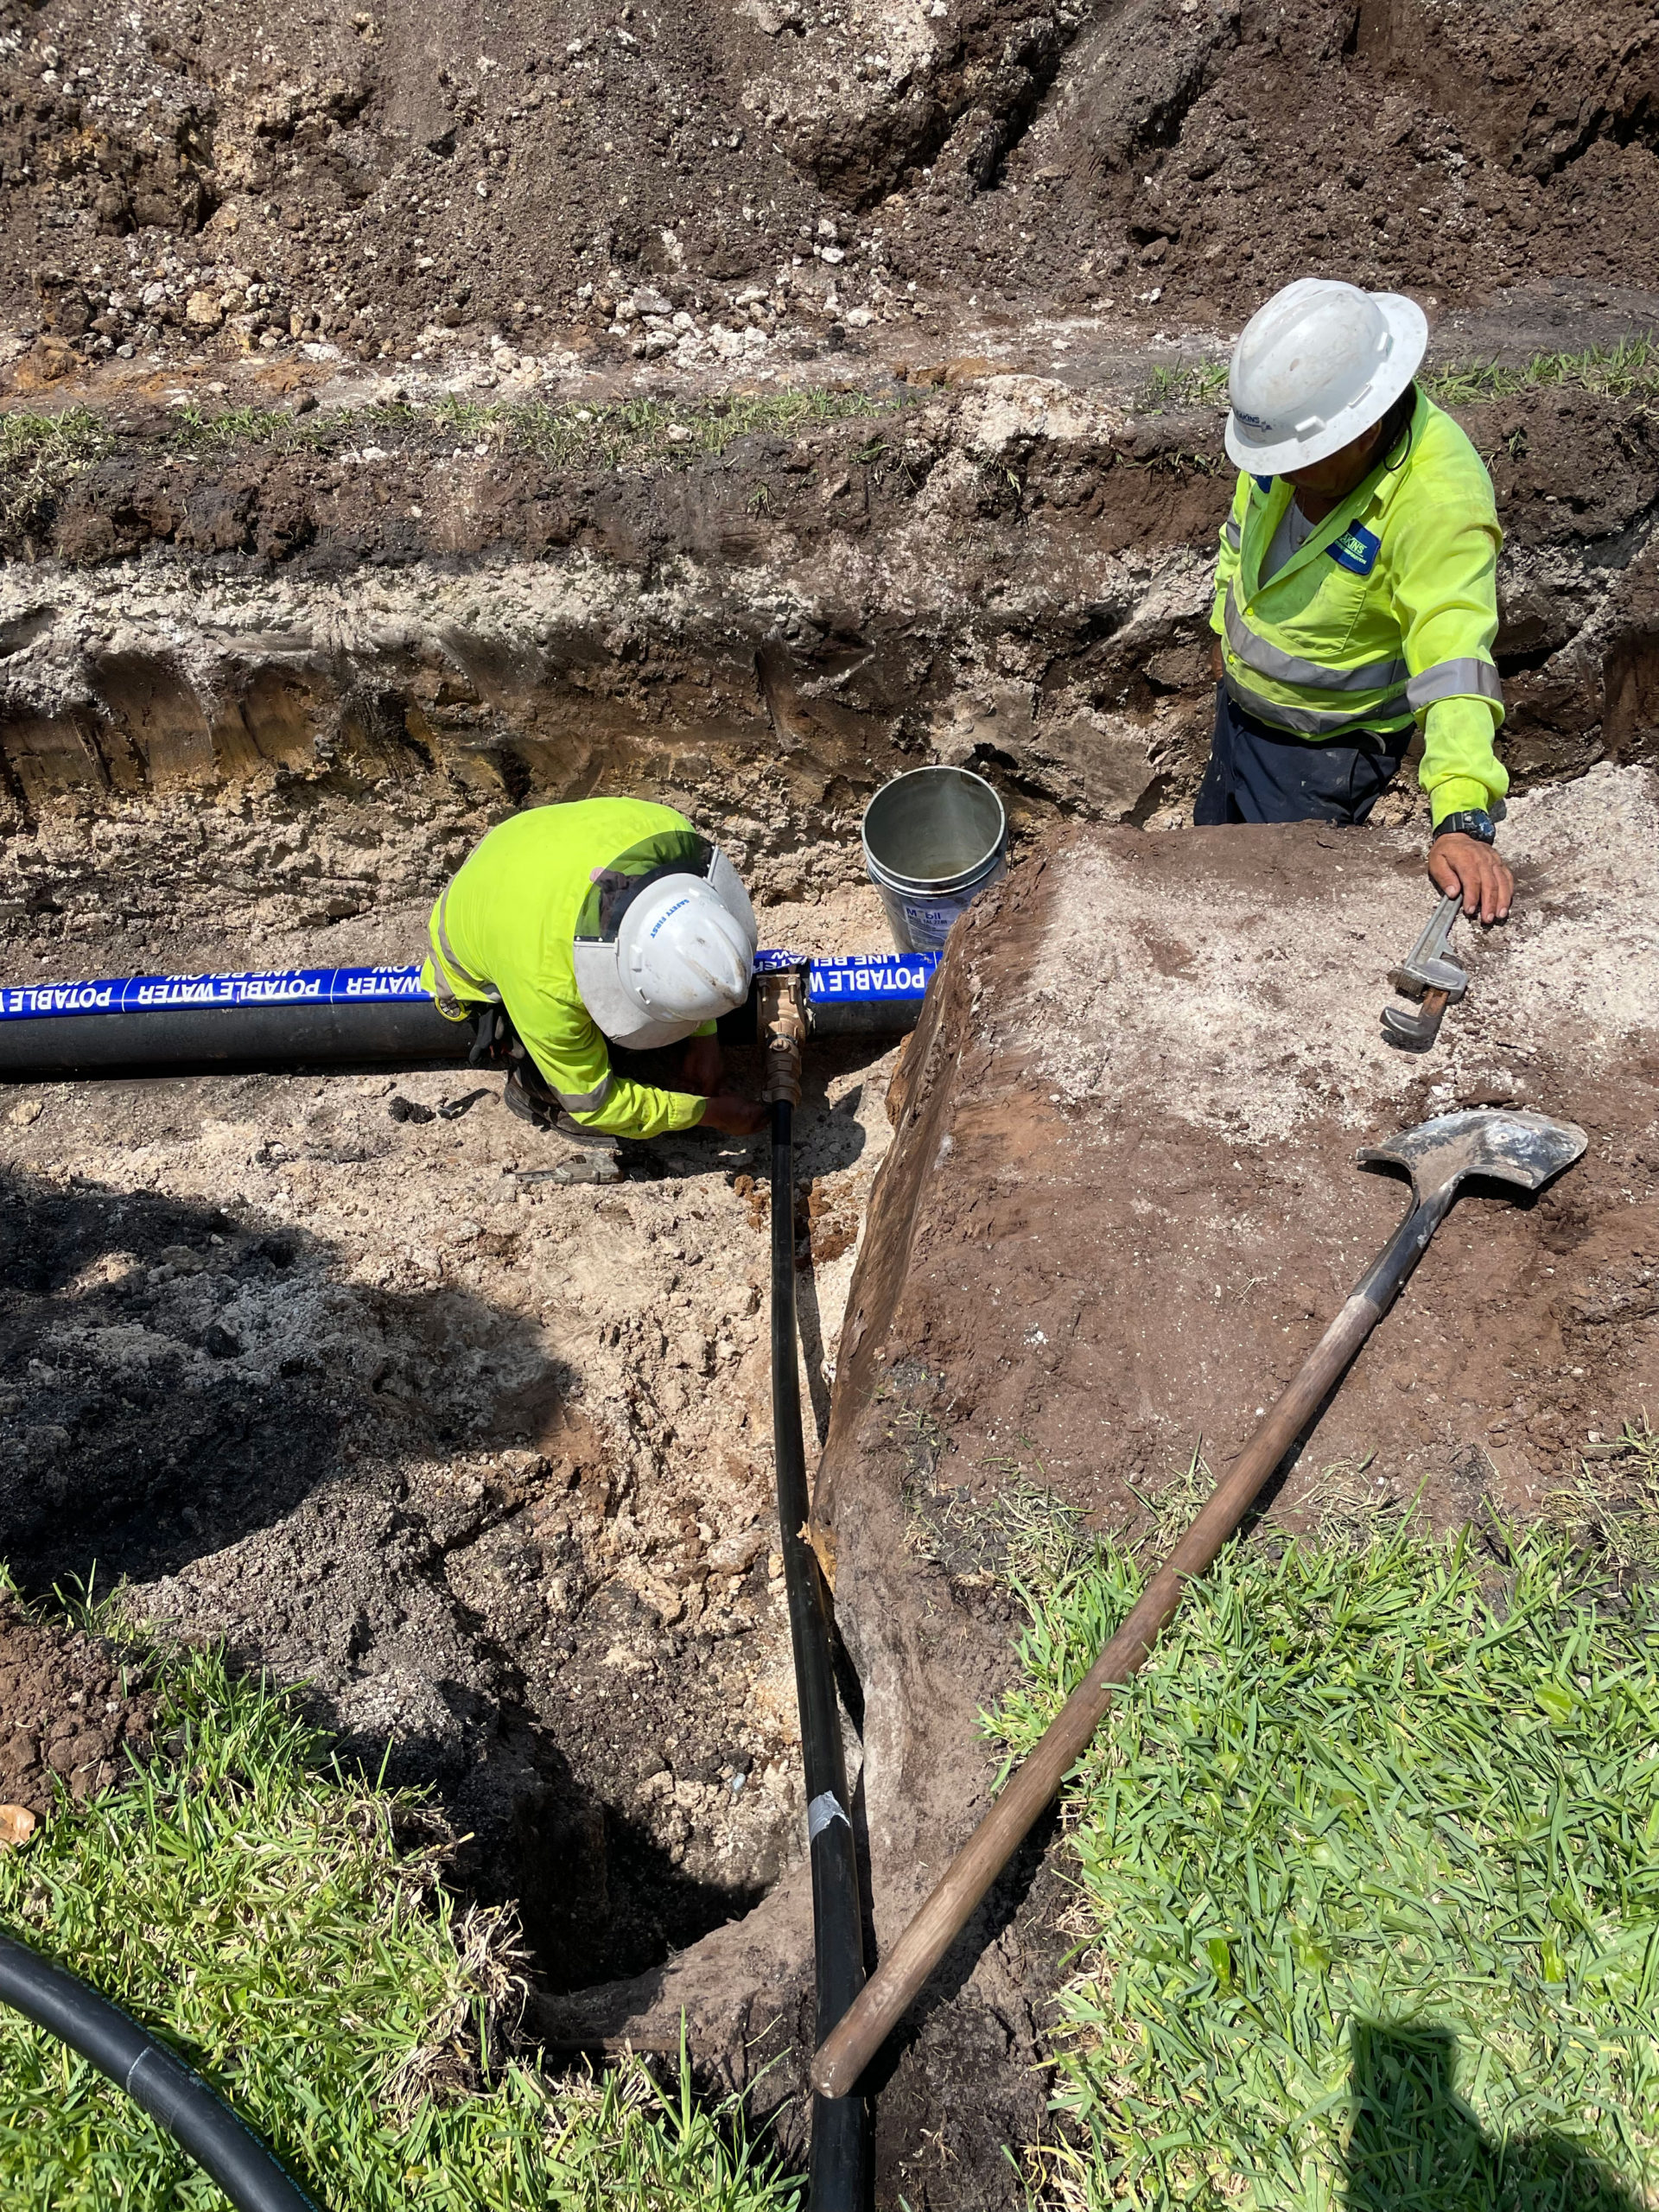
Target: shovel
1523	1149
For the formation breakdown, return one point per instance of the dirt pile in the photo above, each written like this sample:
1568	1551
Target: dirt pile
1120	1206
72	1709
760	180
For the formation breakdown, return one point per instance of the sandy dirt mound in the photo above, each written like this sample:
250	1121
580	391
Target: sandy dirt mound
790	176
1120	1207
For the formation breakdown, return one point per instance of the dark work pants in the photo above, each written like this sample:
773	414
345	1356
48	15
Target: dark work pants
1259	775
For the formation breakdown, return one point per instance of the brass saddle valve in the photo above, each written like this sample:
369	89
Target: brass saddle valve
782	1011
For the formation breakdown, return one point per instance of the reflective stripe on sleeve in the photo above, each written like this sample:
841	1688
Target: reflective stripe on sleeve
586	1102
1313	721
1454	679
1285	667
1232	533
447	959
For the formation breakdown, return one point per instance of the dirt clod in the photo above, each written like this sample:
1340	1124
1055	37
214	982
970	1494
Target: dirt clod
71	1712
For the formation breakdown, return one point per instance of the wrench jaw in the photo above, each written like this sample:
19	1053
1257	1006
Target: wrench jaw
1414	1029
1413	980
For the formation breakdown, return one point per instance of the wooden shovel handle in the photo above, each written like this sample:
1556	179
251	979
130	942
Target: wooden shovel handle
886	1996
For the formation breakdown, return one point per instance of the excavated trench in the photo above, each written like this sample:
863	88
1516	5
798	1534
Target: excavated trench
338	1368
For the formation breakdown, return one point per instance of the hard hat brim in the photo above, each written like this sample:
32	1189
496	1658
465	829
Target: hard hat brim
1266	456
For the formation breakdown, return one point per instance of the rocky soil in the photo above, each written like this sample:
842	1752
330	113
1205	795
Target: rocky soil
774	178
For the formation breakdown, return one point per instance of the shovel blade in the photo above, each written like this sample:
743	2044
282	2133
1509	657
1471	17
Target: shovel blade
1513	1147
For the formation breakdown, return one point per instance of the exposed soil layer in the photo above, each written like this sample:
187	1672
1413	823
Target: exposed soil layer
72	1708
484	1459
788	175
1120	1206
366	642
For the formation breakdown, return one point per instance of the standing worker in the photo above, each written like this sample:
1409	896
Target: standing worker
1355	594
607	923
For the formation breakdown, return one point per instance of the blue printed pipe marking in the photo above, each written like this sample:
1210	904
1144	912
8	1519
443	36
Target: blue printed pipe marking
888	976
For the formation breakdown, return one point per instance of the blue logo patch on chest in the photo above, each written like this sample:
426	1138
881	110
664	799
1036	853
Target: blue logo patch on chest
1356	549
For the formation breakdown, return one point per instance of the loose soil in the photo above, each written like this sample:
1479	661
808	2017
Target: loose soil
792	178
1120	1207
483	1459
73	1710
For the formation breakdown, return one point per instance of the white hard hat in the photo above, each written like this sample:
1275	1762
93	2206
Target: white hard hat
1313	368
682	954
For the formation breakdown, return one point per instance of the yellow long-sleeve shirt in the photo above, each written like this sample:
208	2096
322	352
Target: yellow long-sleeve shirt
1387	613
510	918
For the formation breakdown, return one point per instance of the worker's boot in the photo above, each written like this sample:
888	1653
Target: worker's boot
592	1153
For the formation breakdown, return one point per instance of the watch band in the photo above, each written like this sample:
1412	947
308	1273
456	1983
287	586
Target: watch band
1471	821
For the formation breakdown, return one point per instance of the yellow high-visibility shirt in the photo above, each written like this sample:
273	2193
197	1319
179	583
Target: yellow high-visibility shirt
1385	615
509	915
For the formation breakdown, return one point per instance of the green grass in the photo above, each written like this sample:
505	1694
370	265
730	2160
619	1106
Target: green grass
1202	384
257	1909
1368	1884
632	434
1627	370
38	454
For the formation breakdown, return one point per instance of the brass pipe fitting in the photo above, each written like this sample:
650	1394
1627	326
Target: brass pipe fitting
782	1014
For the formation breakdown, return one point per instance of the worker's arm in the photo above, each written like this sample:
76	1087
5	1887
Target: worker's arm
1445	557
1232	536
570	1051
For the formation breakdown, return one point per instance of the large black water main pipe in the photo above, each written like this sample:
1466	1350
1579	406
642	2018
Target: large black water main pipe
839	2173
341	1018
174	2094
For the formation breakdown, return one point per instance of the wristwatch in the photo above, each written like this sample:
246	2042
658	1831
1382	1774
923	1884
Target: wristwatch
1474	822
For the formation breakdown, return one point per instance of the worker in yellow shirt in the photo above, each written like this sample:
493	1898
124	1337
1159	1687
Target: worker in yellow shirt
1356	596
601	928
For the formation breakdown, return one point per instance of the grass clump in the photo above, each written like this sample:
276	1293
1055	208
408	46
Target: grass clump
255	1909
1367	1885
38	454
1629	370
1185	383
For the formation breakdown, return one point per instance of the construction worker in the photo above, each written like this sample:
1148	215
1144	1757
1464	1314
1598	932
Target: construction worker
1356	596
608	923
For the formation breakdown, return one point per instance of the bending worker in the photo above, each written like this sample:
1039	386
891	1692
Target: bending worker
1355	594
608	923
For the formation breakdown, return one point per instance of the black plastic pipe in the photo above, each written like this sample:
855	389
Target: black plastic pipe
231	1040
839	2166
293	1037
173	2094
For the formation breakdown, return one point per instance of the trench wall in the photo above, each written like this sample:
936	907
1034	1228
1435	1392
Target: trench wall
286	677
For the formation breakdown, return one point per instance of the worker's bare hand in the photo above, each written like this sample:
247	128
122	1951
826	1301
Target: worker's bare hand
1465	865
734	1117
701	1068
1217	665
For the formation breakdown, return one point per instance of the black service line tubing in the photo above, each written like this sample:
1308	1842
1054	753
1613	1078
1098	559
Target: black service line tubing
173	2094
839	2166
218	1039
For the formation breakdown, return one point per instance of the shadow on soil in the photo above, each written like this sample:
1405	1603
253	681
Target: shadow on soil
175	1378
1416	2146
